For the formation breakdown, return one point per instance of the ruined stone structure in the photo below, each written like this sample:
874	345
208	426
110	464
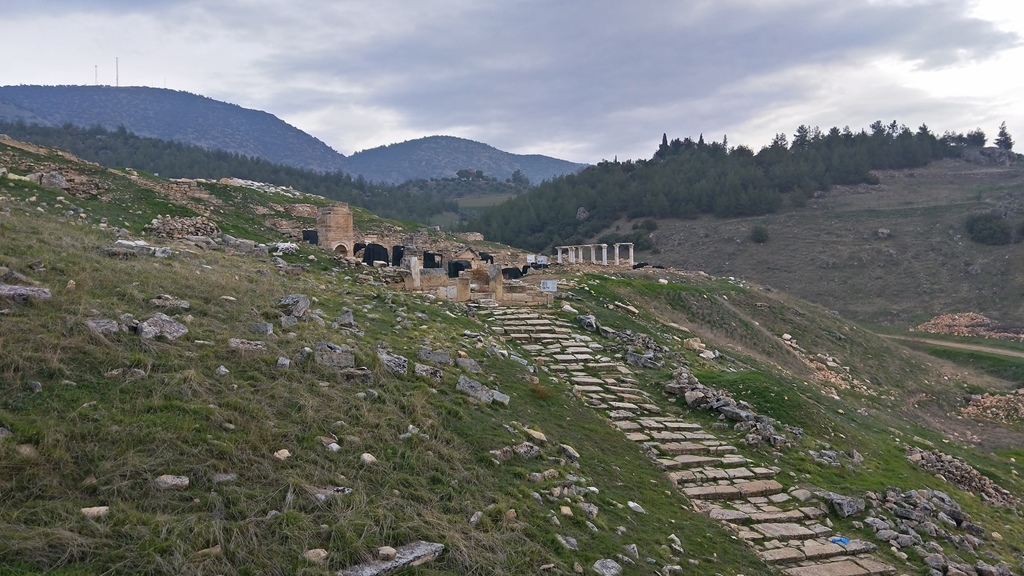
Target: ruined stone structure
334	229
578	254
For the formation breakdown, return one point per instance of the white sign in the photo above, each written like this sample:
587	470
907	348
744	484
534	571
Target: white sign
549	285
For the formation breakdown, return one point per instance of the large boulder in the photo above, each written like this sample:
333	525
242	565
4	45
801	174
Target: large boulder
334	356
161	325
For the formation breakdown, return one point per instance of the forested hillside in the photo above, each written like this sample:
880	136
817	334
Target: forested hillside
171	115
120	148
687	178
193	119
445	156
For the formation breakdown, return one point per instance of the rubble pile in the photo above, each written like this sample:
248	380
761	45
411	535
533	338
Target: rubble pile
969	324
176	227
962	475
916	520
760	429
1001	407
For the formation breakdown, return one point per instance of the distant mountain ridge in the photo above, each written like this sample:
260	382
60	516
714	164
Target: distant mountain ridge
194	119
443	156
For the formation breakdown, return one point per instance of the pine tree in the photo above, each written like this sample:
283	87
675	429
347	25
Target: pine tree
1004	140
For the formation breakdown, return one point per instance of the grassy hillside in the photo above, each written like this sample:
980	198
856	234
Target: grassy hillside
832	252
91	419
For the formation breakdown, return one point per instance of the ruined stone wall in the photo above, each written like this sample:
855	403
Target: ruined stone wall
335	230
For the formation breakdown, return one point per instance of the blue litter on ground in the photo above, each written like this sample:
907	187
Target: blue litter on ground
839	540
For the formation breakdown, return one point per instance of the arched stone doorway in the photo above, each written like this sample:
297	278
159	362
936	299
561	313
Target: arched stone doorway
341	250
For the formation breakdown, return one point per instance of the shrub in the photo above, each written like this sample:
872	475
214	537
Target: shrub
988	228
759	234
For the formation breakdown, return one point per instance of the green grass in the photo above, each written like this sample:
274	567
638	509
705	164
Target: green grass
101	440
484	201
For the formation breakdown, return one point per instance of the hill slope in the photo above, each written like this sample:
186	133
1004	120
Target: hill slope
444	156
253	442
170	115
893	253
193	119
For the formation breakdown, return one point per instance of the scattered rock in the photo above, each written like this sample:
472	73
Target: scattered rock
367	458
334	356
607	567
171	482
282	454
263	328
256	346
104	327
393	362
161	325
480	392
317	555
22	294
413	554
294	305
168	301
430	372
469	365
568	541
96	511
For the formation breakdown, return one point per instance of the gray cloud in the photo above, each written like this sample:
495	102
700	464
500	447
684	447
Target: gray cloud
591	79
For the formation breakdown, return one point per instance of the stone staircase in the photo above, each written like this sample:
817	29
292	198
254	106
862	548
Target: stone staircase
787	528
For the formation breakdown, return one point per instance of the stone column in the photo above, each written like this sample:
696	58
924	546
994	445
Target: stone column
604	254
414	268
558	252
616	247
593	253
494	282
462	289
630	255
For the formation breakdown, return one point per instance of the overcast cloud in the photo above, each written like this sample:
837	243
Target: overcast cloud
579	80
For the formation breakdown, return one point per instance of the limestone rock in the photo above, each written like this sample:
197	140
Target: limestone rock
568	541
263	328
247	345
168	301
294	305
334	356
845	506
430	372
96	511
413	554
469	365
480	392
103	327
23	294
435	356
393	362
607	567
317	555
171	482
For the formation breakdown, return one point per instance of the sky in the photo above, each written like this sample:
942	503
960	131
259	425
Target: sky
580	80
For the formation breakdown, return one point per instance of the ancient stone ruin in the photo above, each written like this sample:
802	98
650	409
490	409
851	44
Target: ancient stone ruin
334	229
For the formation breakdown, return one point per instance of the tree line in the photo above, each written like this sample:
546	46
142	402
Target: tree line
687	178
415	200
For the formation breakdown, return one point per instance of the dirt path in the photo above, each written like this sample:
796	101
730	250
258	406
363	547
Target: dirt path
959	345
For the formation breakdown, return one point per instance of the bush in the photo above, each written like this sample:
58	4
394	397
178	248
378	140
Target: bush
989	228
759	234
